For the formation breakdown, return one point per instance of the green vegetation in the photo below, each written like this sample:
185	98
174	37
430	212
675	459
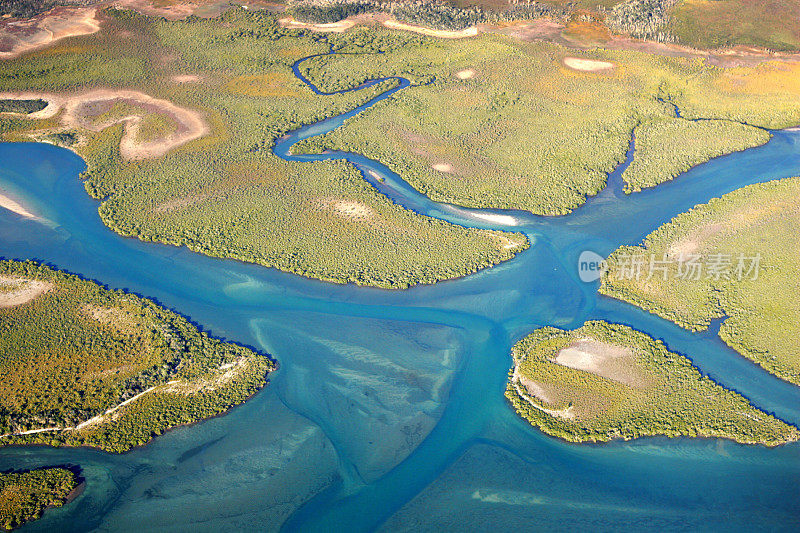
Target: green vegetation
668	147
24	496
498	123
605	381
21	106
770	24
65	139
758	228
74	353
430	13
29	8
227	194
327	12
644	19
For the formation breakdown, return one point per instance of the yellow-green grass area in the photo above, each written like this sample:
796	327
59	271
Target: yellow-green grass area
227	194
104	368
765	95
745	244
150	126
770	24
499	123
668	147
606	381
25	495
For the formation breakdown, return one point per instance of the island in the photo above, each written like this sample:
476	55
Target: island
607	381
84	365
25	495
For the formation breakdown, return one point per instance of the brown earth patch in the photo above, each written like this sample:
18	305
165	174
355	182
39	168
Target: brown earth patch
179	203
20	36
616	363
114	317
79	108
15	290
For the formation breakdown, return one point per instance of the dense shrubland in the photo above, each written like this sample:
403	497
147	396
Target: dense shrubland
644	19
21	106
24	496
29	8
226	194
77	350
669	396
666	148
430	13
524	131
760	315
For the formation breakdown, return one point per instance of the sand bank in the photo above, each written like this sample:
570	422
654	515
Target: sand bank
335	27
505	220
12	205
443	34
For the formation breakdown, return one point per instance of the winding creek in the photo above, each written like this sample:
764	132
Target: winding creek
388	408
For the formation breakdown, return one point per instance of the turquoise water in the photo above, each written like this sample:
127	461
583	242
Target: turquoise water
388	409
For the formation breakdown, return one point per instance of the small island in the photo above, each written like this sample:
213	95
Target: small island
25	495
88	366
607	381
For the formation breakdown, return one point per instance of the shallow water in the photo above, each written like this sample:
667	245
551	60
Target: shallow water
388	406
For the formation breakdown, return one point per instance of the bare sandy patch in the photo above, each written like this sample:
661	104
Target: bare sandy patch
465	74
587	65
693	243
20	36
613	362
115	317
187	78
352	210
78	108
375	175
508	244
443	34
179	203
331	27
174	11
443	167
226	373
16	290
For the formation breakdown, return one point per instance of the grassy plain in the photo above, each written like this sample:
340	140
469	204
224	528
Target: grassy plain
105	368
665	148
24	496
760	315
606	381
526	131
226	194
770	24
